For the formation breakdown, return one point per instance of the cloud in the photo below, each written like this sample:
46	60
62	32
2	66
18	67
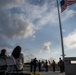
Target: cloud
41	14
21	18
52	58
7	4
46	46
36	2
27	58
68	14
40	51
15	26
3	41
56	53
70	40
49	17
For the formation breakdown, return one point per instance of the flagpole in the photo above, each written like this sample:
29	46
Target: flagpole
61	35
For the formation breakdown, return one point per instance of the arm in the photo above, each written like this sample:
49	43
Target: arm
22	59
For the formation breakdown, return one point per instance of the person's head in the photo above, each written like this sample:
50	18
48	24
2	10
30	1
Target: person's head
16	52
60	58
17	49
53	60
3	51
46	60
35	59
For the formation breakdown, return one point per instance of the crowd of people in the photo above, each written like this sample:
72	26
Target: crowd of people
19	59
35	63
38	65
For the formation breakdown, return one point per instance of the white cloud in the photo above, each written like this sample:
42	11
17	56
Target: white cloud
49	17
52	58
70	40
24	24
68	14
40	51
16	26
41	15
27	58
46	46
56	53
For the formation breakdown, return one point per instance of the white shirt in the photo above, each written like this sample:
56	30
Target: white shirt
20	62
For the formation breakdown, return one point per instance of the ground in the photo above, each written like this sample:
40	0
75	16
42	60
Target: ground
52	73
47	73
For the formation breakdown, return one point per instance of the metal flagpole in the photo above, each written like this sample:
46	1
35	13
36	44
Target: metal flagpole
60	30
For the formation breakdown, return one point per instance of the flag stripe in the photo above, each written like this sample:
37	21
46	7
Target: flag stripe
70	2
63	8
63	5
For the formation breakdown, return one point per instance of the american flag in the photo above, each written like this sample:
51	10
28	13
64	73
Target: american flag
63	5
70	2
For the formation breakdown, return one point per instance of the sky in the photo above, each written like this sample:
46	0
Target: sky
34	25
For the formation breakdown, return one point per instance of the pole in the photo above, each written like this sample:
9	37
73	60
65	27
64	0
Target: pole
61	35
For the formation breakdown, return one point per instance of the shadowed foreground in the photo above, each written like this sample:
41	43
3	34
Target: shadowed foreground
52	73
45	73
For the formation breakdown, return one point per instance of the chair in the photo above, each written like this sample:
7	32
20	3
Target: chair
3	66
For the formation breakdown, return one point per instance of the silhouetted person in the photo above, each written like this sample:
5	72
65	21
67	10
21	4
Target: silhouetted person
3	56
39	65
53	65
61	65
35	65
31	65
43	65
46	66
18	56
